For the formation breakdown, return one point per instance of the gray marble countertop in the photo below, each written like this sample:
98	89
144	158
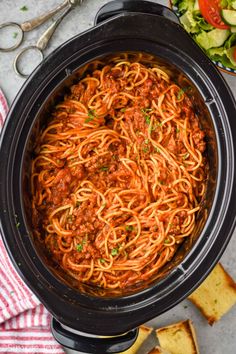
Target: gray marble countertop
212	340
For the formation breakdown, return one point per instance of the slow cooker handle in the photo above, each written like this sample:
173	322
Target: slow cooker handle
117	7
92	344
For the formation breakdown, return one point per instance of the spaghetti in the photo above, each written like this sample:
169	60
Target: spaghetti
119	173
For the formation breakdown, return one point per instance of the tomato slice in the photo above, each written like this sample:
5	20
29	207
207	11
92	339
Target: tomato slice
210	10
234	54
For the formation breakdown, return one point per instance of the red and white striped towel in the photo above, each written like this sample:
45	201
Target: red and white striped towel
24	322
3	108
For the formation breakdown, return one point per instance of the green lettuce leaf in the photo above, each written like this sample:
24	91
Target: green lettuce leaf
202	24
230	4
183	5
231	41
194	23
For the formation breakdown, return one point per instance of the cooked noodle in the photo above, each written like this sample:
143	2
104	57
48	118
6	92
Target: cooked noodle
119	174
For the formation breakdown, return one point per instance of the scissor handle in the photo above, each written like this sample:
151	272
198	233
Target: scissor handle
19	38
37	21
44	39
46	36
19	56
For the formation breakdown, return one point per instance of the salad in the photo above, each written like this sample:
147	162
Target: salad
212	24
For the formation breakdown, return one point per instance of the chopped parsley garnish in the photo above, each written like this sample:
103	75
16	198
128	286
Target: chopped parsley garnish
146	141
129	228
166	242
145	149
91	115
180	94
146	116
157	149
147	119
24	8
15	34
79	247
104	168
177	130
182	91
18	225
156	125
103	205
78	203
123	110
114	252
102	260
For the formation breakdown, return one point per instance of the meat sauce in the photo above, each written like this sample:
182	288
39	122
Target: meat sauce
121	161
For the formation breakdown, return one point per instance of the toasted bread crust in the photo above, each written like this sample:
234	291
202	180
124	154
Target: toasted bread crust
158	350
208	296
144	332
178	338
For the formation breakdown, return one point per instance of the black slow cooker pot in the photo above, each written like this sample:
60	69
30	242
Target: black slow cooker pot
125	26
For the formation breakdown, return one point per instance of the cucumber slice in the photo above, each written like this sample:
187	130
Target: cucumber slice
229	17
230	55
217	37
233	4
211	39
184	20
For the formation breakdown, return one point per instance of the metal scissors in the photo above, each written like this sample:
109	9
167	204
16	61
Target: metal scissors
43	41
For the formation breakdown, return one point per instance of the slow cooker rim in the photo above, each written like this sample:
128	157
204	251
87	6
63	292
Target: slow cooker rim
13	110
172	273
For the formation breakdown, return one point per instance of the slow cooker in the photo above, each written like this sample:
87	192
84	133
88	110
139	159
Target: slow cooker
83	319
